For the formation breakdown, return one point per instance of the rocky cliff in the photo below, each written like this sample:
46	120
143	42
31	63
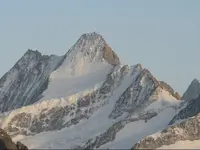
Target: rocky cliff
193	91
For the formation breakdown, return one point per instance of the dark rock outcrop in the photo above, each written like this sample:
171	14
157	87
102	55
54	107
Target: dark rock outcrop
193	91
6	142
21	146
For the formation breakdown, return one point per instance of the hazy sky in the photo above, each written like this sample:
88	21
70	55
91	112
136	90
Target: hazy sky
164	36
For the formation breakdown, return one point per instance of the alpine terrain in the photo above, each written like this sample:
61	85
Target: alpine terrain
88	99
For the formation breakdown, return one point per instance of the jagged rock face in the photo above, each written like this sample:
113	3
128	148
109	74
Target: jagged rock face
110	56
25	82
191	109
93	48
137	94
143	91
54	118
101	50
6	142
193	91
187	130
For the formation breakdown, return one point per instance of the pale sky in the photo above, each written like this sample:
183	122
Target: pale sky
164	36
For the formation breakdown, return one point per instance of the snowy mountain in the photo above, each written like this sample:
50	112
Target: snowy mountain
84	99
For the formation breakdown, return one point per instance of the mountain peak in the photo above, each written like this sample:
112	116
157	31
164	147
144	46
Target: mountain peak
193	91
91	34
195	81
30	51
93	47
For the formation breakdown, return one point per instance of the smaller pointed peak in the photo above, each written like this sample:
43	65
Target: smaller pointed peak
195	81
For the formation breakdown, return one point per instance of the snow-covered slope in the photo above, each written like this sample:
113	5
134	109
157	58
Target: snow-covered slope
92	101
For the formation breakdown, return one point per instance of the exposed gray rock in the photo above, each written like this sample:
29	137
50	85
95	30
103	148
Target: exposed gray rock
191	109
105	137
187	130
143	91
136	95
25	82
193	91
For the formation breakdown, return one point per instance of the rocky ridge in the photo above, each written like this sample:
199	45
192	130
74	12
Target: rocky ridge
186	130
